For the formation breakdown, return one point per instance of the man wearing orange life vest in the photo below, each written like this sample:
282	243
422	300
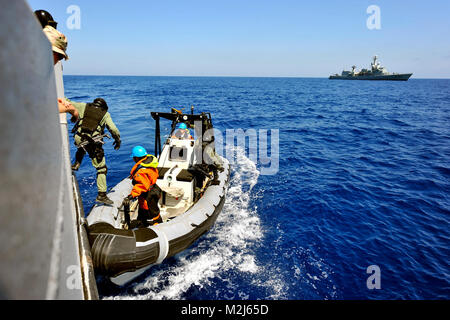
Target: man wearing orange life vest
144	176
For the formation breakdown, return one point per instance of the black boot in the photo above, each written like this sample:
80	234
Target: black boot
76	166
103	198
78	159
157	220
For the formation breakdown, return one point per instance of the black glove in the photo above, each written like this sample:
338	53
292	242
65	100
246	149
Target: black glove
117	144
127	200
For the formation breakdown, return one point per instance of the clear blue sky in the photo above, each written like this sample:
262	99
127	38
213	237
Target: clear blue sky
253	38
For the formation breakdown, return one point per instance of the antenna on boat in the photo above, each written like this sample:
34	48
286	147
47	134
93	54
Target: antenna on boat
192	110
177	111
157	136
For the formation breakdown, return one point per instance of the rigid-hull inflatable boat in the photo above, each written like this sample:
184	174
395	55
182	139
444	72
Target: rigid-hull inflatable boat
194	187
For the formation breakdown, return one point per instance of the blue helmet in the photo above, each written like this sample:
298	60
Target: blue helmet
139	152
183	126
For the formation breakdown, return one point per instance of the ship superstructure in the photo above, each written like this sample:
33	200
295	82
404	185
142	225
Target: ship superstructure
377	72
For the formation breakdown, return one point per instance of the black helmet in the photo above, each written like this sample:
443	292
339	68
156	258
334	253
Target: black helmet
45	18
101	103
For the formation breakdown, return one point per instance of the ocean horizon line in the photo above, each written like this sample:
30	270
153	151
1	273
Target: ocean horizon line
220	76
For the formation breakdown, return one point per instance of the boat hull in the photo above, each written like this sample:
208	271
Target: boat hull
122	255
395	77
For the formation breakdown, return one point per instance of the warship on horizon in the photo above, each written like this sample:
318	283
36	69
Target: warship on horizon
376	73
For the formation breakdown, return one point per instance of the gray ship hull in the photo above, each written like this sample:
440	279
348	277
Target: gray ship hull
392	77
44	245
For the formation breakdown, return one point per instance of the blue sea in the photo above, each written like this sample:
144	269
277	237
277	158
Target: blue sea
363	180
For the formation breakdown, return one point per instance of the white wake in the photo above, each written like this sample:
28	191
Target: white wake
227	247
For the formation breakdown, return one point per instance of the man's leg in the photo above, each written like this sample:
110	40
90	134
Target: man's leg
153	207
99	163
78	159
143	218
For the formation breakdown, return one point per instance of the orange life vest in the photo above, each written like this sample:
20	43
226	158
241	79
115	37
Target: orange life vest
144	178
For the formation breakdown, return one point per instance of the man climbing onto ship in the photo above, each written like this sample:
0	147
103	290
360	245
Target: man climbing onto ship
89	133
144	176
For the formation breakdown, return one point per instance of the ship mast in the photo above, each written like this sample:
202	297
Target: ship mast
375	63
